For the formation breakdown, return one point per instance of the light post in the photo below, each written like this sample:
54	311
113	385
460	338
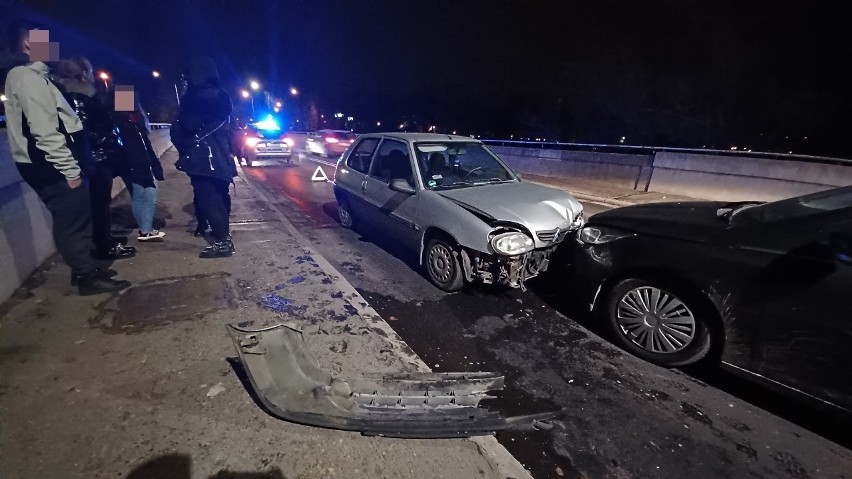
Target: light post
246	94
105	77
294	91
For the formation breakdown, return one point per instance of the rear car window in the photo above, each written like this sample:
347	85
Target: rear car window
359	160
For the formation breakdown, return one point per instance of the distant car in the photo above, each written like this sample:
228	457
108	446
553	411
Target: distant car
329	143
766	288
456	204
265	140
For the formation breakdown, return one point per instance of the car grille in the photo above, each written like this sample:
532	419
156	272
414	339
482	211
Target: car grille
551	236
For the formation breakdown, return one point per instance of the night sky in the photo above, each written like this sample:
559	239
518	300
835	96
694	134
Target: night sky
770	76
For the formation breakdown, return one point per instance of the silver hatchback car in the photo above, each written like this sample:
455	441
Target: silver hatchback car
451	199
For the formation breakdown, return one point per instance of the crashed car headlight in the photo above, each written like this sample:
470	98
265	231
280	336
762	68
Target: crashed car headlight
578	220
600	235
512	243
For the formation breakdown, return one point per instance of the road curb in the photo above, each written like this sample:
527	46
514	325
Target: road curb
502	461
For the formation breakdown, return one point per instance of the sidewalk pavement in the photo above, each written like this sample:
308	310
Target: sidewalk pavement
142	384
604	193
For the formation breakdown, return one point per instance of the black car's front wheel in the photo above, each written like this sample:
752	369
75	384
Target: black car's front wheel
658	323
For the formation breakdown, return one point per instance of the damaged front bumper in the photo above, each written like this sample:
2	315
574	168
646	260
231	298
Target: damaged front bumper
505	270
292	386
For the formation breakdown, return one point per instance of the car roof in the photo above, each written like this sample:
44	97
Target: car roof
413	137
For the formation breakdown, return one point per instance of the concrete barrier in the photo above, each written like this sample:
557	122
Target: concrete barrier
737	178
622	170
691	174
26	239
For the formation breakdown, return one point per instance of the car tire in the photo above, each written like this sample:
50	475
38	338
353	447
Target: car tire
344	214
442	265
676	320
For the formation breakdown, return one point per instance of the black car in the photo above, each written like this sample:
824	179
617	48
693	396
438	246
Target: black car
765	288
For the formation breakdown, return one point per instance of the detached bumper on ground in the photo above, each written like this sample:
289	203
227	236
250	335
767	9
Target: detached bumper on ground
292	386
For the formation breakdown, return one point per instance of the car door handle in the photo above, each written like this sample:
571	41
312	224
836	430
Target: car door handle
364	187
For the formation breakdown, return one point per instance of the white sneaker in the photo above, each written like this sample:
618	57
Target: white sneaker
153	236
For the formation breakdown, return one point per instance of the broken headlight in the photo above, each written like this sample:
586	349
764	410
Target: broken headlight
512	243
578	221
600	235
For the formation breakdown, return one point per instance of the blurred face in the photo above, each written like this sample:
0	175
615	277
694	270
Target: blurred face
125	99
38	46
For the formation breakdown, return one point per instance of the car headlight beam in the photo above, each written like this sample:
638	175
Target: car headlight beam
512	244
600	235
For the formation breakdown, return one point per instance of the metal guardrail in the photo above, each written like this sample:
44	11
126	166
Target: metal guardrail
647	150
632	149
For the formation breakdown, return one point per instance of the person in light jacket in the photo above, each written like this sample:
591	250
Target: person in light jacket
48	149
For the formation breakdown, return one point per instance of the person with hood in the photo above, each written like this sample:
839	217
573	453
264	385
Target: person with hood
143	169
45	142
75	78
201	134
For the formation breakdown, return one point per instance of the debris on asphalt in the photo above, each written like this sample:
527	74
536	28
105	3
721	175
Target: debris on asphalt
217	389
293	387
296	280
276	303
280	286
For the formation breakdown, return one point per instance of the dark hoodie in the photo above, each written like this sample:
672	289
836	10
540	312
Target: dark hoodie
205	112
101	131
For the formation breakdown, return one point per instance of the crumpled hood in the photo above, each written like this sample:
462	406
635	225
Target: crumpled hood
535	207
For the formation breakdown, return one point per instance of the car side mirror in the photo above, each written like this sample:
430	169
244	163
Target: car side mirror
401	186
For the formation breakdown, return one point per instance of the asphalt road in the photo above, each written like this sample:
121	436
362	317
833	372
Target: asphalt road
624	418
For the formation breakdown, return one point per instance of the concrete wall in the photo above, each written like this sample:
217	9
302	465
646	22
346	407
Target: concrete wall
622	170
712	177
25	226
26	239
735	178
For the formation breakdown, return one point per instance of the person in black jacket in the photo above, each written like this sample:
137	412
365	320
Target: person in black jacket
143	168
201	134
75	78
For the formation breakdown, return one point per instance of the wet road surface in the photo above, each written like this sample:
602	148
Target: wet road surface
623	418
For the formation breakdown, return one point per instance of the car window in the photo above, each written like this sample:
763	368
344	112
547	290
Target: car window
392	162
458	164
359	160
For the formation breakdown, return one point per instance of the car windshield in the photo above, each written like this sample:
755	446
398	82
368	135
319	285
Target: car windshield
459	164
821	202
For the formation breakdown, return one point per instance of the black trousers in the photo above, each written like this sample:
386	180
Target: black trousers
100	192
213	203
72	225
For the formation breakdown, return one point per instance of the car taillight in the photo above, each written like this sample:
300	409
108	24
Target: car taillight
331	139
289	142
252	141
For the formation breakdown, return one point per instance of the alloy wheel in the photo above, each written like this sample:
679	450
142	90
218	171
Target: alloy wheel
655	320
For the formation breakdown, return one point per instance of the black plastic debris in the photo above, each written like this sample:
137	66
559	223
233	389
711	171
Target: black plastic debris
296	280
292	386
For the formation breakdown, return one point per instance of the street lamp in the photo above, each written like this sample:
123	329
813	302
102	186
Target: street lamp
105	77
246	94
278	104
155	74
294	91
254	85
